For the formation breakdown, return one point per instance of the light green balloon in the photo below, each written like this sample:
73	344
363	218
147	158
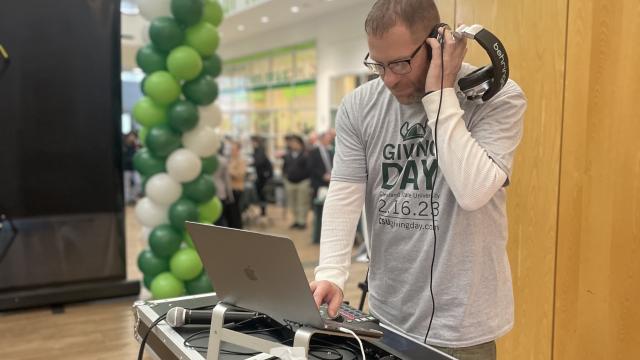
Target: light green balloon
184	63
148	114
166	285
185	264
212	12
203	37
162	87
210	211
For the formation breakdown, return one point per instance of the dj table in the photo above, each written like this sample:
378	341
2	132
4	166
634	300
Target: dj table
190	342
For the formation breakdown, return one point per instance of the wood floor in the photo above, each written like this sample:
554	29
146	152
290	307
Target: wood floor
104	329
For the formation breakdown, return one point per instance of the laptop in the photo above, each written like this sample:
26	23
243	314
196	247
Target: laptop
262	273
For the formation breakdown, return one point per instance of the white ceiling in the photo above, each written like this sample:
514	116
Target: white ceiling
135	27
279	14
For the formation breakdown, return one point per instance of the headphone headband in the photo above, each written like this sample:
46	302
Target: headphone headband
497	73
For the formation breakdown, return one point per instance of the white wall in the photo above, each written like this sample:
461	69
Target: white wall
341	45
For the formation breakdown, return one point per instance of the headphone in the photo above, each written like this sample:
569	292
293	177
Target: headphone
483	83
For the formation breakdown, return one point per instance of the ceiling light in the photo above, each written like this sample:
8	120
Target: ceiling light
240	27
295	9
264	19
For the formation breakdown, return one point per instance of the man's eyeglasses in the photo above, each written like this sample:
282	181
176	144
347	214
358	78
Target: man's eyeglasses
398	67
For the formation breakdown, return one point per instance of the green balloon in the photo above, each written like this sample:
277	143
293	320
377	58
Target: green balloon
187	12
146	280
184	63
150	264
199	285
210	212
166	285
181	211
144	80
212	12
164	241
165	33
187	240
162	141
186	264
201	91
212	65
200	190
148	114
203	37
162	87
210	164
149	59
183	116
146	164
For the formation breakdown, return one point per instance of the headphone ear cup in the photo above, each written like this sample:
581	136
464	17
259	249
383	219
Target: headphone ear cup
476	77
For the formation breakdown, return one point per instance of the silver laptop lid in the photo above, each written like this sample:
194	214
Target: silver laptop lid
256	271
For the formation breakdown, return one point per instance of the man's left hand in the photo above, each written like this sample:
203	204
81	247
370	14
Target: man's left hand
454	52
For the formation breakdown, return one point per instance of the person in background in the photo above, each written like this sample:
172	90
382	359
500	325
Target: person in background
237	172
312	140
222	179
320	163
264	171
296	181
131	177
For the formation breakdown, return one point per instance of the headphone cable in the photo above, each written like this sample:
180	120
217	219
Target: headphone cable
435	176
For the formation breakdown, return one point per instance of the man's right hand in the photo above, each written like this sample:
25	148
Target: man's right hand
327	292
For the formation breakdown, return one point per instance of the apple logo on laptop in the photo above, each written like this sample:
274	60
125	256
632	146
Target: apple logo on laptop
251	274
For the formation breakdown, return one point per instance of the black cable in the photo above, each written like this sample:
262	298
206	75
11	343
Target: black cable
314	349
435	176
349	349
146	335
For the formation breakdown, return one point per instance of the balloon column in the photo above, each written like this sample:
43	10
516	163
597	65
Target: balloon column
178	120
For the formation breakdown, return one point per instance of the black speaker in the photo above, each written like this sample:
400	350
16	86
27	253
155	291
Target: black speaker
62	236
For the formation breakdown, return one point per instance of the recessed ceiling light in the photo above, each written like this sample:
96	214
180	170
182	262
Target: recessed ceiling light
295	9
264	19
240	27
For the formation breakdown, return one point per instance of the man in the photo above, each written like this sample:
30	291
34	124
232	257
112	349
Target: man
320	163
296	181
385	149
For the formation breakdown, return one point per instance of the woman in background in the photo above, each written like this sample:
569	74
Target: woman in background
237	171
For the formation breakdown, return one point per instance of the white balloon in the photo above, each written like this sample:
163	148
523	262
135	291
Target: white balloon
203	140
151	9
183	165
151	214
211	115
163	189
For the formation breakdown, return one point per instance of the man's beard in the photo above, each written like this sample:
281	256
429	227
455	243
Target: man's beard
414	97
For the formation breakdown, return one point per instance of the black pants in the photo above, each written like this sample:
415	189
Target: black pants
232	212
261	196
